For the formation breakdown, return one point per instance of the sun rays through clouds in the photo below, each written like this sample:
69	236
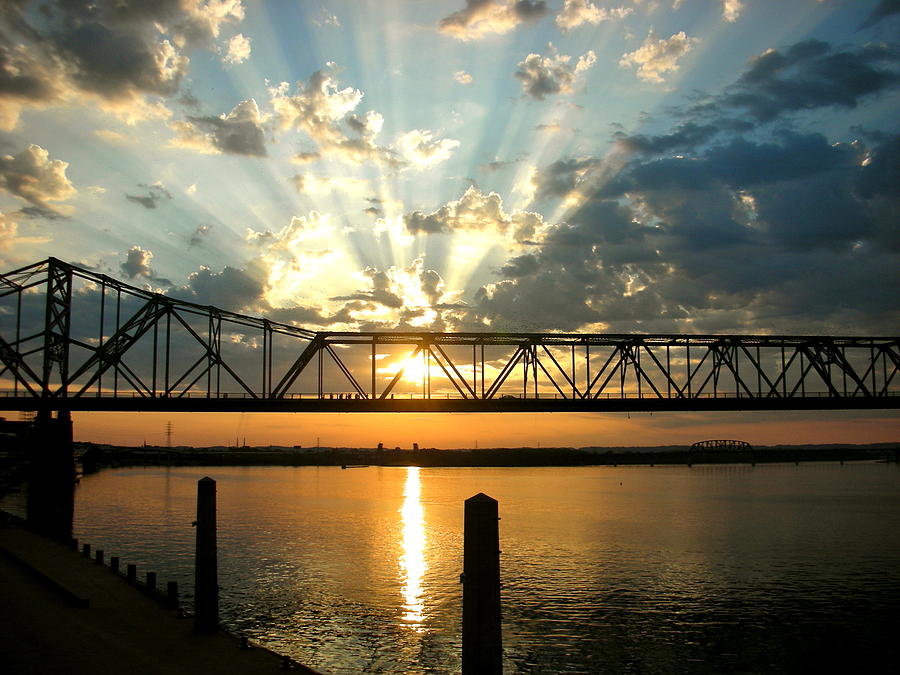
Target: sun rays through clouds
464	165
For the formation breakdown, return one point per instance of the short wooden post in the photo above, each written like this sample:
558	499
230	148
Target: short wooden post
482	650
114	563
206	580
131	572
98	556
151	581
73	542
86	550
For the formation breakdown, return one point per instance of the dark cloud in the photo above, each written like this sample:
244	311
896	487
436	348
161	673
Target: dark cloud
41	212
380	291
199	234
232	289
240	132
155	194
885	9
809	75
777	84
785	234
120	52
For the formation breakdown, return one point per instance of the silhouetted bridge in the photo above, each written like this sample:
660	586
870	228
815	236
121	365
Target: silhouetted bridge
72	339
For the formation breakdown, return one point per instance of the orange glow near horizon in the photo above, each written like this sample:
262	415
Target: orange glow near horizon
467	430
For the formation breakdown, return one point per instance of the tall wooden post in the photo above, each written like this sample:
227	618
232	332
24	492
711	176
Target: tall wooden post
206	580
482	650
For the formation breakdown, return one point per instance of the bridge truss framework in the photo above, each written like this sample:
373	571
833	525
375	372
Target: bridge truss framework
73	339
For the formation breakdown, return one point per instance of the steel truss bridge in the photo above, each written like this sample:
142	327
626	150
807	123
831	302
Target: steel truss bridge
72	339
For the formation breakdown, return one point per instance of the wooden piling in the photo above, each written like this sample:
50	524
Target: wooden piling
151	581
172	594
86	550
482	650
98	556
206	582
131	572
114	563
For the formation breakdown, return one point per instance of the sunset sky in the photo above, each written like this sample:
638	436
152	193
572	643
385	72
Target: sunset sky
678	166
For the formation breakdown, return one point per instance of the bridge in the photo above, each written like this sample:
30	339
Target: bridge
75	340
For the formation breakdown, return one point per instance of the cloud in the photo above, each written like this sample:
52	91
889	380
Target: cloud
231	289
238	49
239	132
745	235
574	13
123	56
155	193
397	297
34	177
731	10
476	212
480	18
655	56
462	77
137	263
8	231
809	75
884	10
421	149
547	75
200	233
326	115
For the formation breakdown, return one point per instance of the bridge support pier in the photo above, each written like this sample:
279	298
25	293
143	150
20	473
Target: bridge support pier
50	501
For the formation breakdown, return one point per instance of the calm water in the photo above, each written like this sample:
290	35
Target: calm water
765	569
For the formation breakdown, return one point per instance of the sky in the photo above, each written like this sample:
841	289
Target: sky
677	166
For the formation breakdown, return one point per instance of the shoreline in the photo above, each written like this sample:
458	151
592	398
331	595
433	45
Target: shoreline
94	456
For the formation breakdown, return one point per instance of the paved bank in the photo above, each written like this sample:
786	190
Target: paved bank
45	626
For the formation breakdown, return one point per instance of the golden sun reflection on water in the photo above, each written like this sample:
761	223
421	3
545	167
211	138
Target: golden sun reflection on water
412	559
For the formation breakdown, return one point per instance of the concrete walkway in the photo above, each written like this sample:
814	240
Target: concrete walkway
45	627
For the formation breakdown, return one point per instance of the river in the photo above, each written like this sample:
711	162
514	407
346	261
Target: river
706	569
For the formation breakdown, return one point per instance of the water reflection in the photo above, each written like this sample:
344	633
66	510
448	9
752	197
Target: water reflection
412	558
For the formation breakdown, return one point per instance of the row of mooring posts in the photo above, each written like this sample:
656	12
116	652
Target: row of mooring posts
169	595
482	647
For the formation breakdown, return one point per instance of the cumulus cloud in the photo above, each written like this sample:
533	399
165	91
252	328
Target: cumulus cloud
462	77
326	114
231	289
123	56
155	194
239	132
655	56
546	75
421	149
34	177
8	230
480	18
238	49
742	235
731	10
137	263
476	212
577	12
411	296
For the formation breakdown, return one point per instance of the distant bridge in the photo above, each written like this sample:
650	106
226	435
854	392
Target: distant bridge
72	339
720	444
